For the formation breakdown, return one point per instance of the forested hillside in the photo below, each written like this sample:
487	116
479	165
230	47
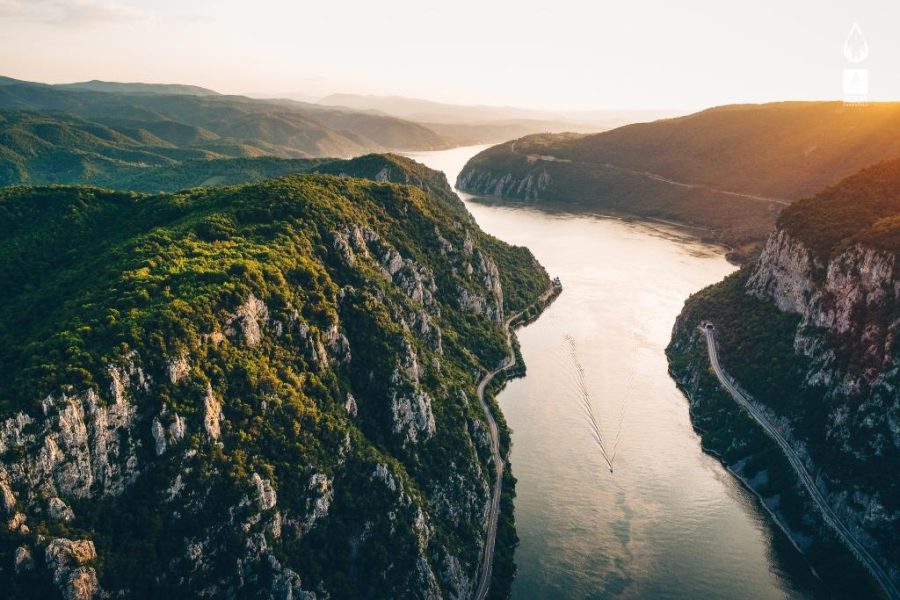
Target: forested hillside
258	389
810	331
727	170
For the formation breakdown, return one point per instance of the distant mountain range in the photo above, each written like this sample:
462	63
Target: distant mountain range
276	127
99	132
138	88
727	170
215	125
427	111
478	124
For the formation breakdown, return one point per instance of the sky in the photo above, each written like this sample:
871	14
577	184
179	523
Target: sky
557	55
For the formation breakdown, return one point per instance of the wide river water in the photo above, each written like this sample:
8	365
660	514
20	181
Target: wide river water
670	521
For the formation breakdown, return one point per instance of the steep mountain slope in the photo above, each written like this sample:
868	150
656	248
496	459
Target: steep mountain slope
729	169
253	390
810	332
285	128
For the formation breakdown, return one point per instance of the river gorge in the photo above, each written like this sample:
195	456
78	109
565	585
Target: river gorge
663	520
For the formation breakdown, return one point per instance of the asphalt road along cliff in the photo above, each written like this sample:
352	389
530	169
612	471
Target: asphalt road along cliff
833	521
486	569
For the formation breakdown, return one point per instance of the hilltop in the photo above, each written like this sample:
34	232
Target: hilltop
265	388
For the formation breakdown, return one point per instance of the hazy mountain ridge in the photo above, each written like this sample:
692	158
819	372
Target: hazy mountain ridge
286	371
811	332
481	124
282	128
428	110
138	88
421	110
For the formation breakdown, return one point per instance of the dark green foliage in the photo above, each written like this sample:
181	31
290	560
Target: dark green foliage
756	348
752	327
209	173
92	276
42	148
863	208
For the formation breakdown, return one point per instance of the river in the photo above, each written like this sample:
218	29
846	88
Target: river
670	521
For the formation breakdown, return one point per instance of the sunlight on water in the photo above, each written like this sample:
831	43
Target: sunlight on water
669	522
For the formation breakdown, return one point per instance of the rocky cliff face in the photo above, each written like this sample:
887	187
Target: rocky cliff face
526	186
810	331
303	426
848	332
848	326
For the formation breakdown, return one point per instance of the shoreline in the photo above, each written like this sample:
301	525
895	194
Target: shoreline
774	518
504	484
575	209
808	540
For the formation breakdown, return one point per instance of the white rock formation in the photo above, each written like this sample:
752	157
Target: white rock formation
7	499
159	436
483	182
265	493
24	561
413	417
177	369
350	405
66	560
248	319
79	447
59	510
212	414
840	300
317	507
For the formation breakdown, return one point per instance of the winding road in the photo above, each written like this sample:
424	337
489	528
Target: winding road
662	179
649	175
487	557
843	532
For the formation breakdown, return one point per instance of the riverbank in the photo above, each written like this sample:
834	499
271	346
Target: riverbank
499	569
737	256
506	172
733	438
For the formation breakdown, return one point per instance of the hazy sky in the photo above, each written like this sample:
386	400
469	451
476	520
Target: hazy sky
543	54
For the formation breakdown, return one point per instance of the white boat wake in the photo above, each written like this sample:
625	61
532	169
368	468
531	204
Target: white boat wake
579	386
